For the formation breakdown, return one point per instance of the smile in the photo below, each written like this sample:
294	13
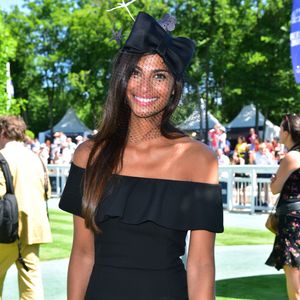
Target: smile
145	100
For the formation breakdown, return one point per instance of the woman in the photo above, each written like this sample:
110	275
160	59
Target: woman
145	184
286	251
240	151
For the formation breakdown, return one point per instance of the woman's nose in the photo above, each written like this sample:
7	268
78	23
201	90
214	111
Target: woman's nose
146	85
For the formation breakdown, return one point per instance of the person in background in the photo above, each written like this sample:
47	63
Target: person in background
227	150
263	157
240	150
250	139
44	153
34	228
223	160
222	137
71	145
79	139
286	251
214	137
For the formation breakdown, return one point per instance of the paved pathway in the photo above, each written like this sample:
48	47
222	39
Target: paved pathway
231	261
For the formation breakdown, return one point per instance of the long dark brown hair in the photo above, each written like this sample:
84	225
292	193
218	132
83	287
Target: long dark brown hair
291	124
106	156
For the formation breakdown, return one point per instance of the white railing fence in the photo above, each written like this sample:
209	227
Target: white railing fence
244	187
58	176
247	187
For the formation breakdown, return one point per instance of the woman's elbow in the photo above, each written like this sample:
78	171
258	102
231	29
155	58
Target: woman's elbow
275	190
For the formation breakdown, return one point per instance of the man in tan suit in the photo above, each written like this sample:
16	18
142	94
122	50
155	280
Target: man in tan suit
34	228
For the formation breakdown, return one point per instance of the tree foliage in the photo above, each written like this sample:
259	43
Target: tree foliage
61	53
8	52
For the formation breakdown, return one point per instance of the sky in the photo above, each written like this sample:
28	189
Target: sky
6	4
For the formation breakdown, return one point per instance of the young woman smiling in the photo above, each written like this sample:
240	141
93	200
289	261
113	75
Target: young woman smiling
140	184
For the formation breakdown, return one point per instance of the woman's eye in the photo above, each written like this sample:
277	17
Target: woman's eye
135	73
160	76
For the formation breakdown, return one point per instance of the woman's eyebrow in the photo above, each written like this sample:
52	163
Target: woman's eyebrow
161	70
154	70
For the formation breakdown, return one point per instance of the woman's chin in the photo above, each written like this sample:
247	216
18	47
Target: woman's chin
145	113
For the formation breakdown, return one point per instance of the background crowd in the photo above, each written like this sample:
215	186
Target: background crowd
58	151
249	149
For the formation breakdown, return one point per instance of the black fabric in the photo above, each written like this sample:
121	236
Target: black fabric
174	204
71	198
147	36
9	213
286	246
291	189
110	283
144	223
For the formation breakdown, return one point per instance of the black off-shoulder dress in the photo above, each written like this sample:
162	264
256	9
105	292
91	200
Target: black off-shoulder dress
144	222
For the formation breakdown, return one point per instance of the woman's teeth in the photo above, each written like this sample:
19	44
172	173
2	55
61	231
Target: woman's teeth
145	100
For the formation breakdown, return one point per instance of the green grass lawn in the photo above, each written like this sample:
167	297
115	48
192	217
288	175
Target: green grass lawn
266	287
244	236
62	234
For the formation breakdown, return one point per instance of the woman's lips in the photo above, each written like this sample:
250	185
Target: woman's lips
144	101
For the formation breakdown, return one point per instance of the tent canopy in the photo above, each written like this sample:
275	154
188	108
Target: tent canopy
70	124
246	119
192	123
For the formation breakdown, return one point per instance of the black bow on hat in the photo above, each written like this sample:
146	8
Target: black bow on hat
147	36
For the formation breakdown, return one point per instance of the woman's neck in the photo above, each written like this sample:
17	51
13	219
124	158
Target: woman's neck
291	146
144	129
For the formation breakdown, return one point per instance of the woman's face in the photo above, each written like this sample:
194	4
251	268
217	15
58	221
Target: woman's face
149	87
282	135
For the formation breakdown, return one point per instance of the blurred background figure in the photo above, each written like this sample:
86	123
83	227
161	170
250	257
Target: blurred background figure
250	139
263	157
240	151
214	137
286	251
79	139
34	228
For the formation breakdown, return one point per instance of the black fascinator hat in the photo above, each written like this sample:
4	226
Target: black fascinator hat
148	36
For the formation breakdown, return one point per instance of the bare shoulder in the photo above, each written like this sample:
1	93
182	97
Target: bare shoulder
200	162
82	153
292	160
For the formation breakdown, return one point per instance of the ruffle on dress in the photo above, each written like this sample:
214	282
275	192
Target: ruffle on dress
174	204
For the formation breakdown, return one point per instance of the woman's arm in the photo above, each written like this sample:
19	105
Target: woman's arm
201	266
288	164
81	260
82	254
200	261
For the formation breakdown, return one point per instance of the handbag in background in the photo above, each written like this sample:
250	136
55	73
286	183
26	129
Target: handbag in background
273	220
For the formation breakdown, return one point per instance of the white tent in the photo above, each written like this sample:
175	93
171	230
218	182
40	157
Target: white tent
70	124
192	123
246	119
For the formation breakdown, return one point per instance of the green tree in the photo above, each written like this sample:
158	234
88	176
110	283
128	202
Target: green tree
8	51
64	55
